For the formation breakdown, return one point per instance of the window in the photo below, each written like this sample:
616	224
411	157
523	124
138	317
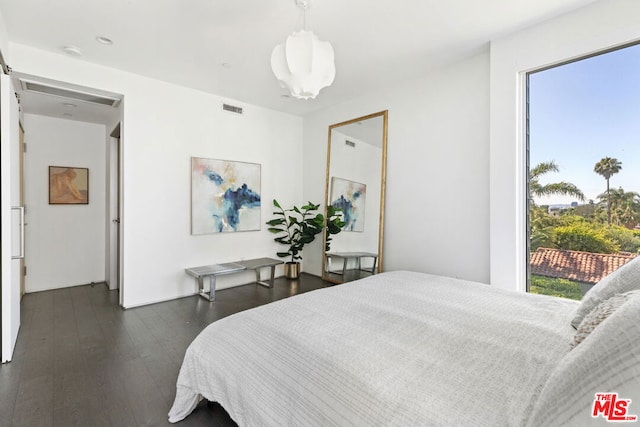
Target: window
583	159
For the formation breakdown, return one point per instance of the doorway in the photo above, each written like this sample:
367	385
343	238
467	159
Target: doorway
63	129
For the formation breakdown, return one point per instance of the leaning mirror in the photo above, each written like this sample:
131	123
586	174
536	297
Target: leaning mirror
355	186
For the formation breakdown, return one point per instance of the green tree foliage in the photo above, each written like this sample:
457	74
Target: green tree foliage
574	232
541	223
587	210
582	236
560	188
626	239
608	167
625	206
542	227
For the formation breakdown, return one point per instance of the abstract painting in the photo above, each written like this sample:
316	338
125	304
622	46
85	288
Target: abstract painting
68	185
225	196
349	196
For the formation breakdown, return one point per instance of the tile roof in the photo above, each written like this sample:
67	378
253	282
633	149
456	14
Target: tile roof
578	266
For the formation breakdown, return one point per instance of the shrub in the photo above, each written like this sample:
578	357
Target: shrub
626	239
581	236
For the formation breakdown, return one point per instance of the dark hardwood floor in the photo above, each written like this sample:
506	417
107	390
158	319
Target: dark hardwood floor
82	361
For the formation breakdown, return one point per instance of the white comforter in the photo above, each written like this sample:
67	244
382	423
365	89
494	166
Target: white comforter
397	348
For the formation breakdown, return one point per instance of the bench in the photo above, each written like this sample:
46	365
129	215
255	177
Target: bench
346	256
214	270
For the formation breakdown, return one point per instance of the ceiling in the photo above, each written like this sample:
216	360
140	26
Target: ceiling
224	46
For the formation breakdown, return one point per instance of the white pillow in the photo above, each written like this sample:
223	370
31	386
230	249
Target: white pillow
599	314
624	279
608	361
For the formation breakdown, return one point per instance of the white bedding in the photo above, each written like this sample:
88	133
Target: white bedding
397	348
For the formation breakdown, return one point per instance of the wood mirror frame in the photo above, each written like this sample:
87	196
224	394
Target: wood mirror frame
349	173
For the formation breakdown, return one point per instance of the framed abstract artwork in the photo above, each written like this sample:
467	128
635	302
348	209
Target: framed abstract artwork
68	185
349	196
225	196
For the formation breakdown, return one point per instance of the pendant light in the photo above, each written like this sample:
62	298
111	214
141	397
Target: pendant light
303	63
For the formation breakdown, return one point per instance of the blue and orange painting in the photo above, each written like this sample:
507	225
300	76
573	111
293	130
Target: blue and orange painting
225	196
349	196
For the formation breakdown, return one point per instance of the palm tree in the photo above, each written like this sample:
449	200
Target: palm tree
561	188
607	167
625	206
540	227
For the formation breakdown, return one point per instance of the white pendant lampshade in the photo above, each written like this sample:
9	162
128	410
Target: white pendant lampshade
303	64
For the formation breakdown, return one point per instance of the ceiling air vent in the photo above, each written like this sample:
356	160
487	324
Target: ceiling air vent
232	108
69	93
350	143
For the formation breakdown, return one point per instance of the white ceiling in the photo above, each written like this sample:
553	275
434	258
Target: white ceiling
376	43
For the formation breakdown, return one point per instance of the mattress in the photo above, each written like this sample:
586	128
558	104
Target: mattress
398	348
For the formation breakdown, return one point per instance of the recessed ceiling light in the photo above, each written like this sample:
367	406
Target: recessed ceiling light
70	105
104	40
226	65
72	50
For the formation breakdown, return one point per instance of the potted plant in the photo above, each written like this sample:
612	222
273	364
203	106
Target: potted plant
297	227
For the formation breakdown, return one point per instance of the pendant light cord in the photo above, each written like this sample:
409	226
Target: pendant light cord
304	18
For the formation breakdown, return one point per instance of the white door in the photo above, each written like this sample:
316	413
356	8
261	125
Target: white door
12	218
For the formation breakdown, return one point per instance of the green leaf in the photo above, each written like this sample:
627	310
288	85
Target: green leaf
276	204
306	239
282	254
332	210
333	228
276	221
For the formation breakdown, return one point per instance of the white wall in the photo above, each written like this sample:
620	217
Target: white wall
65	243
438	190
437	201
163	126
599	26
4	38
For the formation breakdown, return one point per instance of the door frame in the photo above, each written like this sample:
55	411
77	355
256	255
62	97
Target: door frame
114	217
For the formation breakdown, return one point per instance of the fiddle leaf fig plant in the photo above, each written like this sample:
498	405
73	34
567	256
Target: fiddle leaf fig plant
296	227
334	224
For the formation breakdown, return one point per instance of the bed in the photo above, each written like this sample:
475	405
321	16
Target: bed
405	348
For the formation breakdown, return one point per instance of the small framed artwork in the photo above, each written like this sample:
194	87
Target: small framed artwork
349	196
68	185
225	196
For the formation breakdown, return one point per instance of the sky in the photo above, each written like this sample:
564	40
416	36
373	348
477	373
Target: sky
582	112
